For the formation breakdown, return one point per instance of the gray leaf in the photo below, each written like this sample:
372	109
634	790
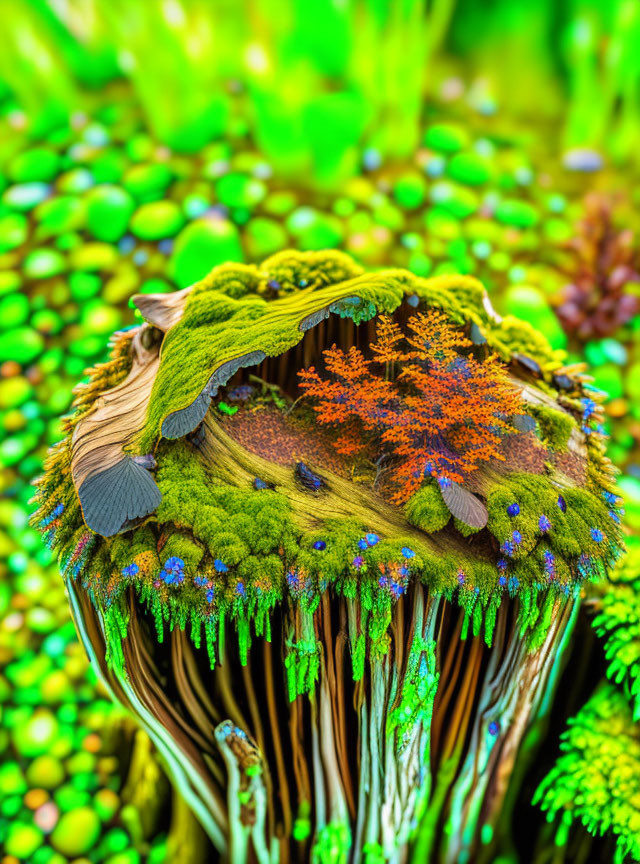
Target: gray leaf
464	506
119	495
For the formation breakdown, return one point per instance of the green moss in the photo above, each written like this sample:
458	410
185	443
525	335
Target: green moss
302	659
534	495
231	313
597	775
464	529
427	510
245	550
555	426
514	336
216	328
332	844
184	547
618	623
419	686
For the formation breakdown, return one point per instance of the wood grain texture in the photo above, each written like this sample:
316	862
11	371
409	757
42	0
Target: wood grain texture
112	488
162	310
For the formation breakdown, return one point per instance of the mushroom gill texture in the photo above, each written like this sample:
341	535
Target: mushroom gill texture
324	531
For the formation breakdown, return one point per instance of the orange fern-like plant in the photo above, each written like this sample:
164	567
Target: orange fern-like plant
422	397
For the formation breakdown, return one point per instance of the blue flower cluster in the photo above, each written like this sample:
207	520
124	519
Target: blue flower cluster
130	570
395	588
203	582
367	541
588	410
173	571
544	523
616	511
508	548
549	564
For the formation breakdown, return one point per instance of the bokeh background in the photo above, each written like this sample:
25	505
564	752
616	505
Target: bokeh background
143	143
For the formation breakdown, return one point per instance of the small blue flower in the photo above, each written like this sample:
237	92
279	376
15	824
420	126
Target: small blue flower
403	571
320	545
502	564
513	509
372	539
240	589
549	563
58	510
508	548
200	581
615	516
362	544
444	482
597	535
259	483
358	561
517	537
172	577
514	583
383	581
210	595
174	565
461	577
130	570
544	523
502	581
220	566
562	504
407	552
